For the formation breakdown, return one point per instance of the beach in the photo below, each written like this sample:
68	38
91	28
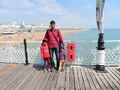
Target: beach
31	36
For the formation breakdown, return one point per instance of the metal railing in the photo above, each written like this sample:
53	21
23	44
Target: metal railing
14	52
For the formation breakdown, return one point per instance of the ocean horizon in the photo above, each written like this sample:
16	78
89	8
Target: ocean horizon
92	34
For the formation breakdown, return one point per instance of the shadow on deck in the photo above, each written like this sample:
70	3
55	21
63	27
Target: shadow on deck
20	77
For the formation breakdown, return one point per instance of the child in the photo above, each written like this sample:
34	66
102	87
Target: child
45	55
62	58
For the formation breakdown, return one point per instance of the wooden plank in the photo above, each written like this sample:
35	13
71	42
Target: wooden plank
9	73
76	78
59	80
31	80
52	88
109	81
117	70
2	66
90	71
25	80
113	81
57	88
36	80
87	86
73	78
71	82
61	89
99	81
81	81
41	80
63	79
17	79
66	88
117	73
43	84
72	89
89	79
67	78
54	83
6	70
7	78
105	82
50	80
114	75
11	76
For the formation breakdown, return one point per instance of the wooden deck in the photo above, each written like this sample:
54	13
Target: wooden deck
20	77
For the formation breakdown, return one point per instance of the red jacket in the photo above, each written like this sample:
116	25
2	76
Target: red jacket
44	52
51	40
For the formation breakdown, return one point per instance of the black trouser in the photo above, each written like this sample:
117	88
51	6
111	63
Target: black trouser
56	50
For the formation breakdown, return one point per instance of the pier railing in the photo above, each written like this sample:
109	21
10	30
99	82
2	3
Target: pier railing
14	52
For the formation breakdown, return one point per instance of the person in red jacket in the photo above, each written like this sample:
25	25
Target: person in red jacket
54	39
45	55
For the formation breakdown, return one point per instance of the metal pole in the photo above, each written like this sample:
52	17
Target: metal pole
100	48
26	55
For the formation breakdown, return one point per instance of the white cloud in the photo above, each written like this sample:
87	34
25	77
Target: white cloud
48	8
41	8
54	8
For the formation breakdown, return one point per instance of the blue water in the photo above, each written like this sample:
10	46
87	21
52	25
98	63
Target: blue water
84	49
92	34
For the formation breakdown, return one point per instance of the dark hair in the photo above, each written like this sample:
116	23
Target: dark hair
61	47
44	40
52	22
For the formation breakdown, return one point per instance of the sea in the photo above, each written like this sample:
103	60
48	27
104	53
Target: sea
89	35
92	34
86	49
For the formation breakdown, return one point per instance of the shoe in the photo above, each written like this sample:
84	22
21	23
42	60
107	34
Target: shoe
57	69
44	70
62	69
51	69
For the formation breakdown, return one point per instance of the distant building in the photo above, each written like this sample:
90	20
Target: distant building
12	27
22	25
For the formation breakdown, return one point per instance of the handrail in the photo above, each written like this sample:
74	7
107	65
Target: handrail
93	41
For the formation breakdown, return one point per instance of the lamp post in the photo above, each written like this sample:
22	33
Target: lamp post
100	66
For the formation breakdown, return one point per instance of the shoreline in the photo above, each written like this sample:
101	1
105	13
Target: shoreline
33	36
29	36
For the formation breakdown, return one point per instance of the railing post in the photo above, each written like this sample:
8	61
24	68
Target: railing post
26	55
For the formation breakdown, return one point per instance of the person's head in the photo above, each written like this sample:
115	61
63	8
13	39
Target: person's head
52	24
44	42
62	48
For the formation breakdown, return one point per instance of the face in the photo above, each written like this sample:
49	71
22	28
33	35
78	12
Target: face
45	43
52	26
61	49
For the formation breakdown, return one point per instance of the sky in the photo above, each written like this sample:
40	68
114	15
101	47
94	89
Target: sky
74	13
